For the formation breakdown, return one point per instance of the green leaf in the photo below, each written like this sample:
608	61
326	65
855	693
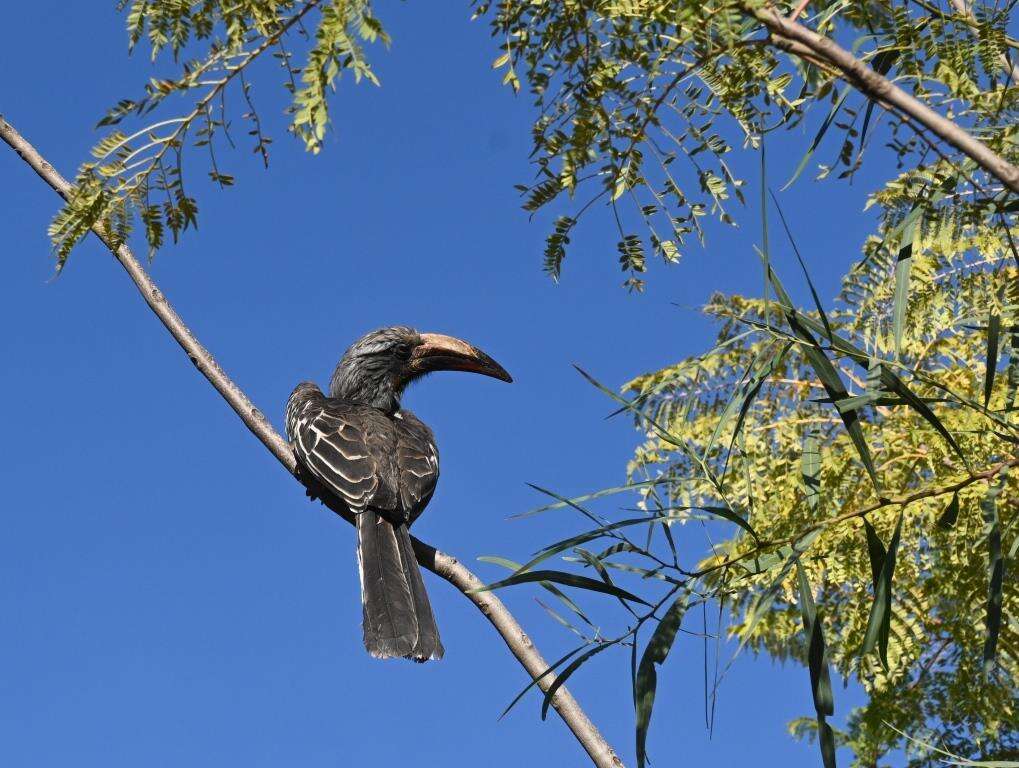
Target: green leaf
810	469
789	556
882	62
879	623
573	667
889	380
561	577
820	135
993	330
646	683
730	515
597	564
826	373
903	266
820	677
950	515
995	573
562	596
826	740
505	563
606	529
897	386
876	552
576	500
540	677
803	266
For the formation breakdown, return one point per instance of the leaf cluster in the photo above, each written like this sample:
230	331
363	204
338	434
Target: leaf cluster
139	176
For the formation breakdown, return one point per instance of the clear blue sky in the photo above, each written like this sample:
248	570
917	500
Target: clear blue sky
168	597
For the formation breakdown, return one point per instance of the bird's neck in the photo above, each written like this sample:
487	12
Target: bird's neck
373	389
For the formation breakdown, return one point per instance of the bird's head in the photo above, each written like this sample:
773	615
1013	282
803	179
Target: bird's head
378	367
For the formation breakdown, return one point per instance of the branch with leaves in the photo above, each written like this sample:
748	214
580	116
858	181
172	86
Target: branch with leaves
632	97
139	176
443	565
798	424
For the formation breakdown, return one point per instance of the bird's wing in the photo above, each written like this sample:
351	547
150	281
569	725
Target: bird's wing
341	446
417	460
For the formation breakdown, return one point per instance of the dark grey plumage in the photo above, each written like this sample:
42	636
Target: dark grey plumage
382	463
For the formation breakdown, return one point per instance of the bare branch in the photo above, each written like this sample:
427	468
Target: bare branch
439	563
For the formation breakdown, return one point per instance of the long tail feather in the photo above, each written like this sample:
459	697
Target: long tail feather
390	618
428	645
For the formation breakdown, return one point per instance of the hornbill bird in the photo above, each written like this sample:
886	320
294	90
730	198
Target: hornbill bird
381	463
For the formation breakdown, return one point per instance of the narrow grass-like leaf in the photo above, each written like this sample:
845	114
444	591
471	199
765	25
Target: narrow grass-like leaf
608	528
897	386
803	266
646	681
569	603
995	573
993	330
833	385
540	677
568	502
882	62
559	619
753	387
875	551
889	379
731	516
644	573
587	497
623	546
826	740
758	564
950	515
903	267
567	579
810	469
597	564
817	663
879	623
569	670
826	374
820	679
817	138
558	593
734	402
762	602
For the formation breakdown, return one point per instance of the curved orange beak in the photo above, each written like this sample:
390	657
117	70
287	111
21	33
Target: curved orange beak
446	353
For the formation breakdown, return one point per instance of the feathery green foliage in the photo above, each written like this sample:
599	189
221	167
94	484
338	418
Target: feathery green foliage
139	176
852	468
870	446
637	103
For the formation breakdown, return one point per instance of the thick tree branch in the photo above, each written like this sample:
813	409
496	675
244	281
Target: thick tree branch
441	564
799	40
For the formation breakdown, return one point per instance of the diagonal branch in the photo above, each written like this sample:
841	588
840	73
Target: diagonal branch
801	41
439	563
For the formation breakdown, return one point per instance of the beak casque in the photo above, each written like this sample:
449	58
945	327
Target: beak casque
446	353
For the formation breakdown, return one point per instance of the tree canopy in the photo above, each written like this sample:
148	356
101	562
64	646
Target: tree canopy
855	457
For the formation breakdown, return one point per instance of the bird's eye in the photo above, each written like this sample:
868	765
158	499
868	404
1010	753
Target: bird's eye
402	351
